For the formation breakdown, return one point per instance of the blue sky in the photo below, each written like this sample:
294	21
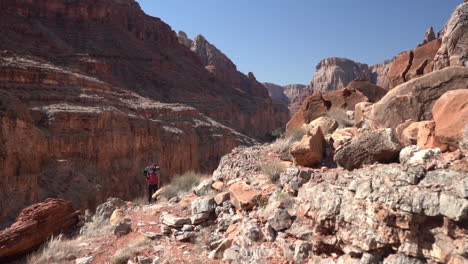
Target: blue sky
281	41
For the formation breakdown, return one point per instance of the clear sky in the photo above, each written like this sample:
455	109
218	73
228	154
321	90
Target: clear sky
281	41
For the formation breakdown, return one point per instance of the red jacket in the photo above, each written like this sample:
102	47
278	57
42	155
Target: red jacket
152	178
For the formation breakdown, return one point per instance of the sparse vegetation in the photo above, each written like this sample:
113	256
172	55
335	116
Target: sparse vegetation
273	170
183	184
56	250
282	144
340	115
97	227
124	254
277	133
286	199
296	134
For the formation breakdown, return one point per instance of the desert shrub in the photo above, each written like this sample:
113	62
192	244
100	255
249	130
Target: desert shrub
98	226
281	145
296	134
56	250
273	169
277	133
340	115
183	183
122	255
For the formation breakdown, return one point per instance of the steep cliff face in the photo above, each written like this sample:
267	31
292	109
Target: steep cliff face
336	73
277	92
454	47
68	135
119	44
380	74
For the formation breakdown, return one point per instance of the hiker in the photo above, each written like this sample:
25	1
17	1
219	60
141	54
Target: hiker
152	179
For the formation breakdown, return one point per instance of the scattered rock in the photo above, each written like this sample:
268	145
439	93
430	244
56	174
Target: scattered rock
309	151
243	196
106	209
122	229
153	235
252	232
280	220
401	259
376	146
219	251
218	185
174	221
84	260
185	236
222	197
116	217
302	251
143	260
202	209
203	188
412	155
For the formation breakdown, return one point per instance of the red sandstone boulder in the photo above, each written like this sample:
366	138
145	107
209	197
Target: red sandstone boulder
309	151
407	133
427	138
370	90
318	105
243	196
35	225
451	116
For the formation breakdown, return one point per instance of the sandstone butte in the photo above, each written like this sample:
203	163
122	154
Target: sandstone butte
95	90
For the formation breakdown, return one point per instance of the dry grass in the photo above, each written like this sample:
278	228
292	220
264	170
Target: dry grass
340	115
286	199
273	169
184	183
99	226
282	144
56	250
296	134
122	255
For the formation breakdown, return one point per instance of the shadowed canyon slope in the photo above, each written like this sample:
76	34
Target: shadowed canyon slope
93	90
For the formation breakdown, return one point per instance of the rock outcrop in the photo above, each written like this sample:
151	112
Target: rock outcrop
429	36
318	105
450	114
292	91
414	63
276	92
87	140
454	48
373	92
414	99
93	103
35	225
377	146
379	74
333	73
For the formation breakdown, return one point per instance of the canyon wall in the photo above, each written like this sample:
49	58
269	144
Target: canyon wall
92	91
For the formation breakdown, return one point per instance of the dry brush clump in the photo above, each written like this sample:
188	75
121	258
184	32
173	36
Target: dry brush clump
57	250
122	255
341	116
273	169
183	183
282	144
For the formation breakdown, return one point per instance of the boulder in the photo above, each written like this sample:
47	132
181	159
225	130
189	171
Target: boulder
373	92
407	133
280	219
309	151
454	46
221	197
375	146
328	125
35	225
219	251
106	209
174	221
243	196
343	135
450	114
361	113
204	187
116	216
414	100
122	228
202	209
413	156
427	137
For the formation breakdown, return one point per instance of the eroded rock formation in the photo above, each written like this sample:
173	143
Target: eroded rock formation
336	73
277	92
35	225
